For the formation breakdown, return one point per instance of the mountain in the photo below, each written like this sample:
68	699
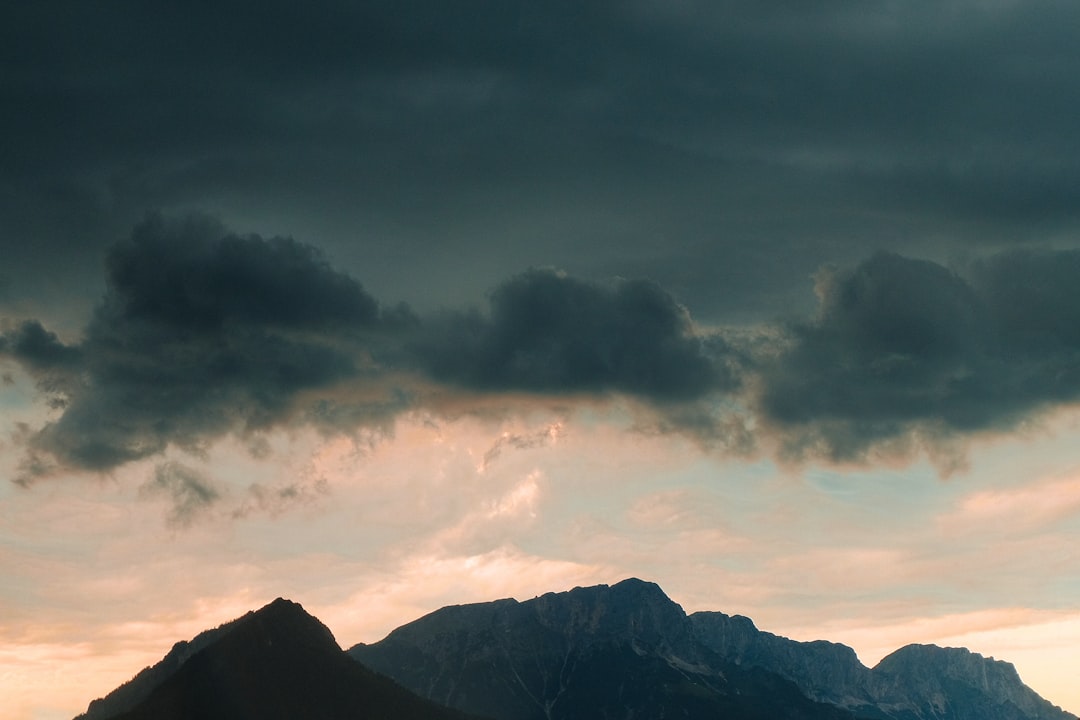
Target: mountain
628	651
917	682
275	663
957	683
621	652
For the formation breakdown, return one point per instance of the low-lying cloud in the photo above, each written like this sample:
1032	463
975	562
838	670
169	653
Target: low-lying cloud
200	333
902	348
203	334
548	333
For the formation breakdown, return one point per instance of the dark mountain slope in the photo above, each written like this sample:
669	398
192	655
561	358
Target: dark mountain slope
917	682
277	663
957	684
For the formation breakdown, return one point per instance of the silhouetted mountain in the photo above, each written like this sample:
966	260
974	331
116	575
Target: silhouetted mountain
918	682
958	684
627	651
276	663
621	652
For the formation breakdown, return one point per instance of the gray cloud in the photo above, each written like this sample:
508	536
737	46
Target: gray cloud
548	333
541	438
905	348
1034	299
276	499
203	333
192	494
53	365
682	141
200	333
192	276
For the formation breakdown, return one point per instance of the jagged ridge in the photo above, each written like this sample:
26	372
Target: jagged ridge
471	657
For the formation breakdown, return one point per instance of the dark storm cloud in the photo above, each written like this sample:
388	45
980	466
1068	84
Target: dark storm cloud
904	347
1034	298
200	333
548	333
53	365
37	348
203	333
192	276
640	138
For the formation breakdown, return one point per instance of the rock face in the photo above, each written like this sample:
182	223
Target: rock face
276	663
825	671
627	651
956	683
917	682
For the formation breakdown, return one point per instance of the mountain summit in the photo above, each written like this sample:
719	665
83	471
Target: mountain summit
277	663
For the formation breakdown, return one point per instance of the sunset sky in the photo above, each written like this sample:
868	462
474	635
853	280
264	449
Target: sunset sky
384	306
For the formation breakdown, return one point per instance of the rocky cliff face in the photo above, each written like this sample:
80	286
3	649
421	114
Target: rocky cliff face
917	682
526	661
825	671
957	684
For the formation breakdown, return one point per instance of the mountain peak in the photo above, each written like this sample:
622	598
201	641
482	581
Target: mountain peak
952	660
638	585
275	663
282	621
987	683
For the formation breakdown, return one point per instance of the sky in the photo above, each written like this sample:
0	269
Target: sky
385	306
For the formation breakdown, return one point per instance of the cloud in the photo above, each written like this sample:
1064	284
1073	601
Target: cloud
275	499
723	148
191	275
549	333
200	333
37	348
909	352
535	439
192	494
204	333
1003	512
52	364
1034	299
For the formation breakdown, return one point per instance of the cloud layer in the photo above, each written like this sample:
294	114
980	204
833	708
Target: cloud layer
203	333
751	140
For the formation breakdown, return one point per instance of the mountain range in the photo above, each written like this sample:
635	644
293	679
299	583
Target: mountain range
624	651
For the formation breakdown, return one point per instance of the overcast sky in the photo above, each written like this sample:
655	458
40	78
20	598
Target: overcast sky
383	306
